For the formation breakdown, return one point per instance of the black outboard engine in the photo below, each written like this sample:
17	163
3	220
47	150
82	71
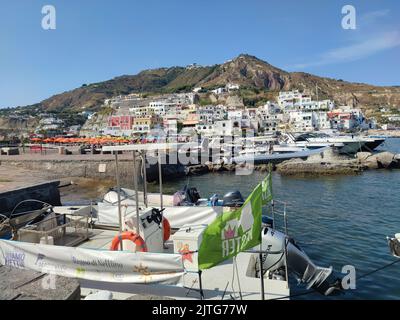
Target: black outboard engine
233	199
322	280
192	195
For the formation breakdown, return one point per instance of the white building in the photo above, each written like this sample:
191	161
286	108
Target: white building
287	99
227	128
50	124
321	120
160	108
219	90
246	118
348	118
295	100
270	118
232	87
139	111
302	121
209	114
220	128
170	125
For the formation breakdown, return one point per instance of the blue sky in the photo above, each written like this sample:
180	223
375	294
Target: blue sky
96	40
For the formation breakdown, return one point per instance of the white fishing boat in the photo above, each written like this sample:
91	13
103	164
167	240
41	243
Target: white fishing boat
127	247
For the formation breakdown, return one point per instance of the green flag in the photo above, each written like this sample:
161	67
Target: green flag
267	189
232	232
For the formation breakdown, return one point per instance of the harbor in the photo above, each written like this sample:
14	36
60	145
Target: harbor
310	222
65	230
200	159
313	154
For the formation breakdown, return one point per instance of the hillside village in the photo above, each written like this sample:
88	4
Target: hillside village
133	115
136	116
241	94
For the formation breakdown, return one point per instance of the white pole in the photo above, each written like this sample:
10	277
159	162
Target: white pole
135	182
160	179
144	179
161	191
119	195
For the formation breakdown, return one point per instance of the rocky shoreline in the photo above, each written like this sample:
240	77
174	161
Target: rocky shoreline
324	163
331	164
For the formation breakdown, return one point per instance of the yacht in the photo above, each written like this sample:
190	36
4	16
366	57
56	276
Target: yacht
346	144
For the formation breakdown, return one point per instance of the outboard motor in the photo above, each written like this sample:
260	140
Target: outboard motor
186	197
233	199
192	195
298	263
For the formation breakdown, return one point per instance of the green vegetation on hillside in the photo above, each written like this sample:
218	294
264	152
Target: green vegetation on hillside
259	83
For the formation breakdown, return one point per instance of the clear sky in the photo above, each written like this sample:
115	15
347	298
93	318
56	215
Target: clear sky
96	40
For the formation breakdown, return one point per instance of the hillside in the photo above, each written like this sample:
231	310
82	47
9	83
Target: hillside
248	71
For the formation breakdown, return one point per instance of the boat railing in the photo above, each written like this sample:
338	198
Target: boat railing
64	229
278	208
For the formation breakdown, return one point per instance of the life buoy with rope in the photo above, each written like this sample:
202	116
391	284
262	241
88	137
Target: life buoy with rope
128	235
166	229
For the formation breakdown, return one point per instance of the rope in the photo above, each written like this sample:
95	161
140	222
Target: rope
4	222
378	269
30	200
232	282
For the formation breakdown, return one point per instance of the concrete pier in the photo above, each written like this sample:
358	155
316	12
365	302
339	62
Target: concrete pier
16	284
47	192
91	166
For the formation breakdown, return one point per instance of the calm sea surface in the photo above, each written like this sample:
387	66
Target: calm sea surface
338	221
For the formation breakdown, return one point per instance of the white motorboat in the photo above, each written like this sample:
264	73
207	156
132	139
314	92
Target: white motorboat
76	242
344	144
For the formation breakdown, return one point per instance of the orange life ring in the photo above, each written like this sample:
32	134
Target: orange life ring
166	229
128	235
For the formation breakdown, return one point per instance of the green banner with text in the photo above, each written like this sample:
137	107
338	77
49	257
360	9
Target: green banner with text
232	232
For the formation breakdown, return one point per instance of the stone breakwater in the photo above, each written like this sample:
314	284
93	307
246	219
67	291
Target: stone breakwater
224	167
102	167
329	163
325	163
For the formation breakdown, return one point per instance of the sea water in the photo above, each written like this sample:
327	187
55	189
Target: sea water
337	220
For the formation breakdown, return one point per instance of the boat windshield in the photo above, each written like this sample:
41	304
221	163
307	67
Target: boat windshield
307	136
